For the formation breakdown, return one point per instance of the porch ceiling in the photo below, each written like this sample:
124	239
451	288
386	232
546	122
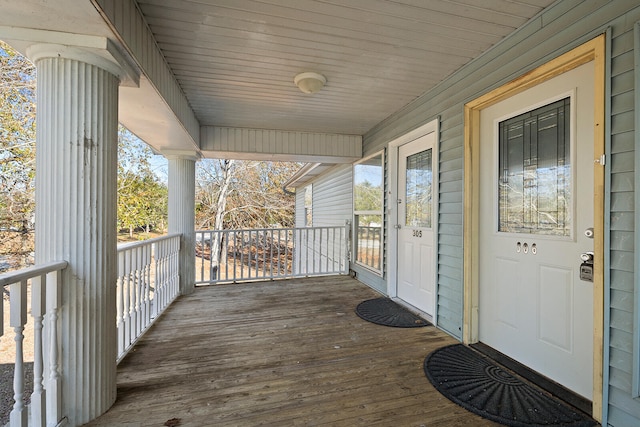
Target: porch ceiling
236	60
231	64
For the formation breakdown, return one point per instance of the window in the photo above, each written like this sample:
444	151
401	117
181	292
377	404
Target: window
308	205
368	187
535	172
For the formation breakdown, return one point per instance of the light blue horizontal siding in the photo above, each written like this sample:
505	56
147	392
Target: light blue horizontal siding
300	214
560	28
623	408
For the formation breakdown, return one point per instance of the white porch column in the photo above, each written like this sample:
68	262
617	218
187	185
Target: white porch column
182	193
76	163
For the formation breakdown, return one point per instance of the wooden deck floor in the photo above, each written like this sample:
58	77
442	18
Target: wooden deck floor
285	353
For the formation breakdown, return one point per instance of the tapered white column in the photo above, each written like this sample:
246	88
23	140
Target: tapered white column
76	164
182	190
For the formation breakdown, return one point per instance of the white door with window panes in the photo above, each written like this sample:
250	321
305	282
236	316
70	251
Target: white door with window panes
416	218
536	217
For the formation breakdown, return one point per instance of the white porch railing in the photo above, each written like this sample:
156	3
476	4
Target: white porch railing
45	288
147	283
270	253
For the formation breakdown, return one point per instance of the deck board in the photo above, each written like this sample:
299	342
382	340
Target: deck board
282	353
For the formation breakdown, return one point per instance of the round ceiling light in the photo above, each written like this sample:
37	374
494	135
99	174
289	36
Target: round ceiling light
310	82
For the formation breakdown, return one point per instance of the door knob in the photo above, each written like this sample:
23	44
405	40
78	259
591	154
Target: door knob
587	257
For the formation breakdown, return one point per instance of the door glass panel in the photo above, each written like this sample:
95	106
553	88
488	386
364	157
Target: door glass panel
535	172
418	190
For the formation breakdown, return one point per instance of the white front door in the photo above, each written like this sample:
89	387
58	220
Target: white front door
416	220
536	210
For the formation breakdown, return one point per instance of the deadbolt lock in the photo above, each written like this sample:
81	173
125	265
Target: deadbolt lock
586	268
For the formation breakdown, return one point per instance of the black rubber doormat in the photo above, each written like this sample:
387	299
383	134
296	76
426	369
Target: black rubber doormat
479	385
383	311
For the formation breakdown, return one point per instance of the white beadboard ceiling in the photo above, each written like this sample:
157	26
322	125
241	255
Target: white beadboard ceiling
235	60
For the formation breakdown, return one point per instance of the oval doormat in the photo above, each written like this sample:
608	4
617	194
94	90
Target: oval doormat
479	385
383	311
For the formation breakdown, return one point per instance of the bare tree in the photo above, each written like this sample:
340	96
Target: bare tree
216	185
242	194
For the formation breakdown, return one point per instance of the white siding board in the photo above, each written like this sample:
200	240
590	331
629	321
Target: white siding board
451	187
624	102
452	197
370	279
449	261
452	242
300	213
622	418
621	360
619	379
621	340
622	122
622	181
332	196
622	260
256	144
451	251
622	280
450	208
622	320
622	162
455	153
622	83
620	240
622	201
451	218
620	400
622	143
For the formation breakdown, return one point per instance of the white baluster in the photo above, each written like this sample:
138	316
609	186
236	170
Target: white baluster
126	291
147	287
17	320
120	302
167	277
161	276
175	268
54	385
137	279
158	280
38	309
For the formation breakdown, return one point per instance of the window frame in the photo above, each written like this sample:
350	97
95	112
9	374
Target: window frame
308	205
358	213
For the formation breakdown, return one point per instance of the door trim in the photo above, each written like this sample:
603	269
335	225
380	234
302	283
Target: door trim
392	195
593	50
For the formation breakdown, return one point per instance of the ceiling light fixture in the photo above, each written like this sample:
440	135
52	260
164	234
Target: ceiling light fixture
310	82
